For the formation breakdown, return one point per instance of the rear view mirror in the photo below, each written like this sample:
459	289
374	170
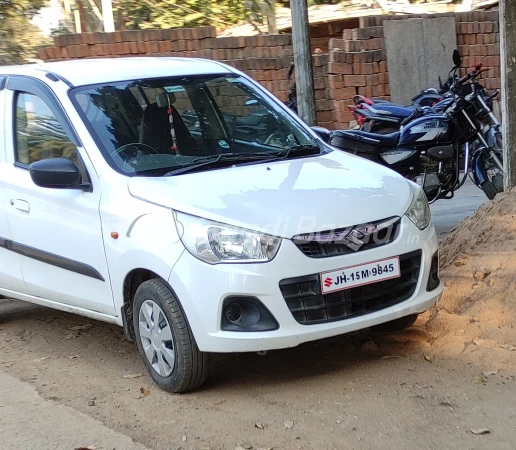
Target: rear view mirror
457	60
323	133
57	173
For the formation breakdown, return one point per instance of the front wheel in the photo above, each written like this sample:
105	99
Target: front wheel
165	340
489	189
494	183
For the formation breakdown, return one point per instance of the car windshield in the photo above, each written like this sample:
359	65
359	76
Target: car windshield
153	126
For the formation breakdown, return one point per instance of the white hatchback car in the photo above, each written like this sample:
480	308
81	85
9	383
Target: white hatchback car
179	199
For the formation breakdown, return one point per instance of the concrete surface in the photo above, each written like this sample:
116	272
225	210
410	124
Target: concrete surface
447	214
418	51
28	421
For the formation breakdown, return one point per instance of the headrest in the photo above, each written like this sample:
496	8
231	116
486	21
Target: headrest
165	99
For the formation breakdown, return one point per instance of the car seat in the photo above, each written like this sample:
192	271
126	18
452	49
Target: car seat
156	128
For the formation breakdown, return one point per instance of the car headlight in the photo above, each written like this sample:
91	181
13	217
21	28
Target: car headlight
419	210
215	242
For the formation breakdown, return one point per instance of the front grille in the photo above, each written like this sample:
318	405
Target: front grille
344	240
309	306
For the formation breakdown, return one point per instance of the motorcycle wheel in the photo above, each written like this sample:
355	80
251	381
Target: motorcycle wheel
494	184
489	189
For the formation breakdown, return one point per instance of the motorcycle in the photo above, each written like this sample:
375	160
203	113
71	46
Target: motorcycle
383	117
431	148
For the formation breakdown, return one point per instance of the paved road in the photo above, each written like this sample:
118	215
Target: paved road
28	421
447	214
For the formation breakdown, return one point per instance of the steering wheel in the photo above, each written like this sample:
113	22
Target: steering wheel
275	139
132	158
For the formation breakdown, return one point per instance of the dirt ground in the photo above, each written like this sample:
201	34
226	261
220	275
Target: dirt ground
426	388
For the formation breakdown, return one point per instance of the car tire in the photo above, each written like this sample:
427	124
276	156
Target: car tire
165	340
396	325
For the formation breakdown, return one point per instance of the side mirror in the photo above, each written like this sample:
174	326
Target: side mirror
457	60
57	173
323	133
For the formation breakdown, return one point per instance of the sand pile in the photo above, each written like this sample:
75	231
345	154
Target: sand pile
476	318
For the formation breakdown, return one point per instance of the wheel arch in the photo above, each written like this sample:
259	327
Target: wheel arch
132	282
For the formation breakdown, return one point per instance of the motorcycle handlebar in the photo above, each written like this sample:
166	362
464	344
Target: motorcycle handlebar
464	78
476	71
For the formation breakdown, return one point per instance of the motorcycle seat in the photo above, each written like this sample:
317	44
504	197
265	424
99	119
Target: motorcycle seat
370	139
391	110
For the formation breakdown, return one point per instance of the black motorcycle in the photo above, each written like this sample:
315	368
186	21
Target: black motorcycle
431	149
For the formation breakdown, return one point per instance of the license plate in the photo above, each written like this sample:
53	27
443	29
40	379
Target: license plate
349	277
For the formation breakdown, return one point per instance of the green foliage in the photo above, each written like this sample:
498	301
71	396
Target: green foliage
19	39
142	14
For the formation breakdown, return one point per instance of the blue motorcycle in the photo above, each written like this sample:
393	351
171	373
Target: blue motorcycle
439	150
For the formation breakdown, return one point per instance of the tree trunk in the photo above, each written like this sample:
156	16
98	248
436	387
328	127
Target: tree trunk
271	16
82	15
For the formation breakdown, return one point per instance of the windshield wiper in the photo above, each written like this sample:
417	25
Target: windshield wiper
299	150
219	160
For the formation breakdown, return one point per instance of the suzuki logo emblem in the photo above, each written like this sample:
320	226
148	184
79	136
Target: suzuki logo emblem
328	282
355	241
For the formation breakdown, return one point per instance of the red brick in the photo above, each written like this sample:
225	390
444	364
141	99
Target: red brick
355	80
340	68
347	34
384	77
470	39
353	46
88	38
383	66
324	116
320	94
141	47
367	68
126	48
346	93
324	105
42	54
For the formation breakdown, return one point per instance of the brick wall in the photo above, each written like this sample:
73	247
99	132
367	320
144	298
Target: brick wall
478	40
355	64
358	61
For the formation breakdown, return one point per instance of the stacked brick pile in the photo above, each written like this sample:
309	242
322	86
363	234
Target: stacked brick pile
126	43
358	65
478	40
355	64
266	59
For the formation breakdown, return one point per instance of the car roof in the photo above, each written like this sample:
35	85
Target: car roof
82	72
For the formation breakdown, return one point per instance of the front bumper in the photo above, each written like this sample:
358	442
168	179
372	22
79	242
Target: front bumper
201	288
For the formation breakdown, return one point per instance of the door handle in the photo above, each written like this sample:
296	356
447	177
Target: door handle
22	205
